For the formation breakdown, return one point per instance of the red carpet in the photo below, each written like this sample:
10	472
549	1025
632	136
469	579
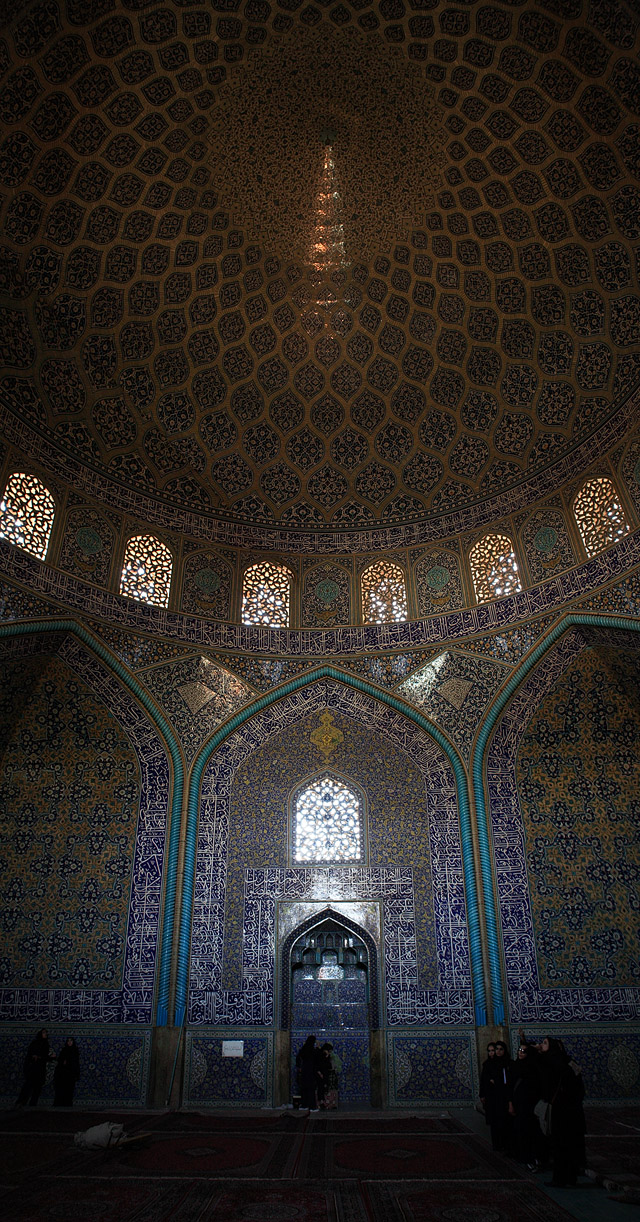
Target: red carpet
462	1203
281	1167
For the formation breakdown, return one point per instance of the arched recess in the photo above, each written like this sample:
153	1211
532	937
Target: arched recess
135	718
311	923
484	778
411	731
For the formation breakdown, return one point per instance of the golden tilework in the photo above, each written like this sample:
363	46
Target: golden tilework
69	799
479	317
578	779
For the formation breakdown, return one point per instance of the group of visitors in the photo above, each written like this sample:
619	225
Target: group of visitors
317	1074
533	1106
65	1074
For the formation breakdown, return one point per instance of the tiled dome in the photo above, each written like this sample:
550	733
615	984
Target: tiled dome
473	320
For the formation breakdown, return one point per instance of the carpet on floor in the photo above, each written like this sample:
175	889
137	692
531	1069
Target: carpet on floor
461	1202
86	1200
400	1156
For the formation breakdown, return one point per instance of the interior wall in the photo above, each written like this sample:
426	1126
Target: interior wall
564	789
414	872
84	786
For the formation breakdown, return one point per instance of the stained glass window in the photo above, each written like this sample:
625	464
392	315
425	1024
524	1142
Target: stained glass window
384	596
266	594
494	567
146	575
599	515
27	510
327	822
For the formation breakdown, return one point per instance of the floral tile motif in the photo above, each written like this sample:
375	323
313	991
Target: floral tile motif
567	951
454	690
196	695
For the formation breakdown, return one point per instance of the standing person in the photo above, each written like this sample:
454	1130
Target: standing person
66	1074
497	1099
522	1102
331	1068
39	1053
562	1088
308	1071
487	1077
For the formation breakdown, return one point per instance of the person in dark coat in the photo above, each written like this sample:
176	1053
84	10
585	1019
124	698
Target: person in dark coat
523	1098
497	1099
561	1086
39	1053
308	1073
66	1074
487	1077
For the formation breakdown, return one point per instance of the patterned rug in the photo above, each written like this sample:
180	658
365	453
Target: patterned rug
87	1200
60	1200
471	1202
400	1156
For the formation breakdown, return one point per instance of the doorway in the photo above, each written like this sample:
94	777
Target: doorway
330	994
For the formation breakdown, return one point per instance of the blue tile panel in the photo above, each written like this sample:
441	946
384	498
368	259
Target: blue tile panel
446	999
122	993
608	1056
214	1079
352	1047
114	1063
431	1069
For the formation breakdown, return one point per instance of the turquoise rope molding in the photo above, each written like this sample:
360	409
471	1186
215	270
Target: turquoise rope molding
323	672
96	646
478	763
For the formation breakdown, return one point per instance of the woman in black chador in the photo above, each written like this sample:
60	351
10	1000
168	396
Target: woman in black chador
308	1073
496	1099
66	1074
39	1053
562	1087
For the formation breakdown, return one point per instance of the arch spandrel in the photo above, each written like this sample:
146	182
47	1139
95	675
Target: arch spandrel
264	885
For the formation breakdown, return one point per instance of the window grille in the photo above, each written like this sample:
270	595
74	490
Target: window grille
384	596
27	510
266	595
599	515
494	568
146	575
327	823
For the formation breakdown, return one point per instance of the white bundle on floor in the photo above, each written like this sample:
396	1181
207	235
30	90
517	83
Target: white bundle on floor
100	1137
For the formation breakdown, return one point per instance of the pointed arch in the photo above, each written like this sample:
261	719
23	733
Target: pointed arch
462	799
312	922
478	771
162	726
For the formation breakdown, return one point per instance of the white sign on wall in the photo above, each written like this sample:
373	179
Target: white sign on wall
233	1048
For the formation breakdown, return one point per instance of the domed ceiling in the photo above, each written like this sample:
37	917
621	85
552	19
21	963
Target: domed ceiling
322	266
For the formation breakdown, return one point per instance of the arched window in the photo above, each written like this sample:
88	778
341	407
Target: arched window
27	510
146	575
494	567
266	595
384	597
327	822
599	515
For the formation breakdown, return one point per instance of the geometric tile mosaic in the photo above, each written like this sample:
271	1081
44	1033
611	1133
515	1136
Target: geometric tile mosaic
252	1003
453	690
128	996
196	696
536	924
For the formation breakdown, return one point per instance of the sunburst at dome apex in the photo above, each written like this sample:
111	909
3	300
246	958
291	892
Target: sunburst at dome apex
269	130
